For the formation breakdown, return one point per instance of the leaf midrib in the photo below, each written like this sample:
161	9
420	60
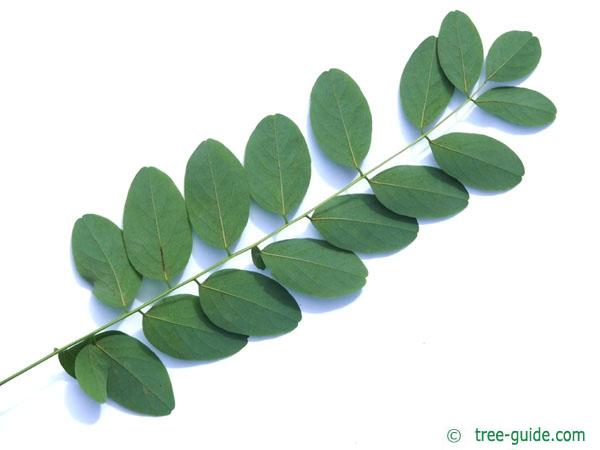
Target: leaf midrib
158	397
309	262
422	122
121	294
347	219
514	103
217	200
249	300
155	217
411	188
339	106
489	77
475	158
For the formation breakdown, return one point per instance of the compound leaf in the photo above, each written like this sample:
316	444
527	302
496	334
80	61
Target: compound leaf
100	258
216	194
419	191
278	164
460	51
315	267
358	222
424	89
178	327
340	118
478	161
248	303
156	230
134	376
513	55
518	105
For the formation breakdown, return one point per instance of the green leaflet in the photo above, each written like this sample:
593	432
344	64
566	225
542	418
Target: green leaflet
517	105
133	375
358	222
424	89
178	327
156	231
315	267
512	56
278	164
67	357
478	161
340	118
248	303
460	51
216	194
91	371
419	191
100	258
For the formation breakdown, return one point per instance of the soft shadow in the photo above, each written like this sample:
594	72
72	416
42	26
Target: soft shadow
423	221
317	305
80	406
264	220
100	312
151	288
204	254
480	193
334	174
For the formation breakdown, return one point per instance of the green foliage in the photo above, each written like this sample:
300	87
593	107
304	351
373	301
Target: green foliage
216	194
424	89
234	304
123	369
155	226
518	105
512	56
100	258
420	192
340	118
278	165
67	357
358	222
315	267
460	51
91	370
178	327
249	303
478	161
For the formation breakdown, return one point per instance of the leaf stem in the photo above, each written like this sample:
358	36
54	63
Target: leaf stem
231	255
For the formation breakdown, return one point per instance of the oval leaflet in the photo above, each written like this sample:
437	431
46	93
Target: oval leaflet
278	165
314	267
358	222
419	191
100	258
216	194
513	55
478	161
424	89
340	118
156	231
518	105
248	303
178	327
460	51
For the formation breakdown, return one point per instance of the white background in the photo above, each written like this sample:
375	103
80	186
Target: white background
488	319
